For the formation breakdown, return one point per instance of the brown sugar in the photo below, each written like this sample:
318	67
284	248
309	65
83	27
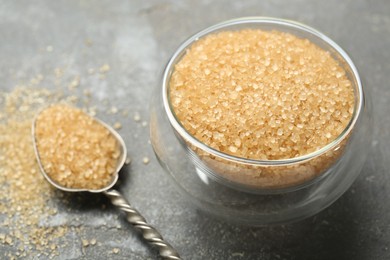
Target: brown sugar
263	95
76	151
36	220
24	194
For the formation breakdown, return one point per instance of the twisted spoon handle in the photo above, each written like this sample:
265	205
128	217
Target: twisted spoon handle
149	233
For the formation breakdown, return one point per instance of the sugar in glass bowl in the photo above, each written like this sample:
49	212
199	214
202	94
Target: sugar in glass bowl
291	169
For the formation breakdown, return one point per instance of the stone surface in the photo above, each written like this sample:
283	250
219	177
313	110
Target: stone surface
136	38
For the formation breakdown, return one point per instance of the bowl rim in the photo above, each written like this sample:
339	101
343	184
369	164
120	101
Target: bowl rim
279	23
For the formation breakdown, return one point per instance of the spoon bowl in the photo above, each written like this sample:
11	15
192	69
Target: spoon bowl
120	162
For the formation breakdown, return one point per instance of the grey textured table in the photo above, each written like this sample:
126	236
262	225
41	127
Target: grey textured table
136	38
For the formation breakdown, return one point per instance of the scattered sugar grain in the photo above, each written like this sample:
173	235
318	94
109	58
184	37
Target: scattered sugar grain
145	160
137	117
36	80
128	161
105	68
117	125
74	83
85	242
92	111
72	99
92	242
113	110
8	240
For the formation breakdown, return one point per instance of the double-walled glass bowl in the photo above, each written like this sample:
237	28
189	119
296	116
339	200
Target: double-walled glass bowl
259	192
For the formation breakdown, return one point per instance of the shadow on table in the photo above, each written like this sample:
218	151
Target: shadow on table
335	233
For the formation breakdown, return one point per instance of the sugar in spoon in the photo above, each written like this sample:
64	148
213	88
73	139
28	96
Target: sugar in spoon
59	121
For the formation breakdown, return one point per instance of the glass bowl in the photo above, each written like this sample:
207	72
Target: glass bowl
259	192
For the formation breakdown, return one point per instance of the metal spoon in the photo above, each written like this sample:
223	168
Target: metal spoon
149	233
